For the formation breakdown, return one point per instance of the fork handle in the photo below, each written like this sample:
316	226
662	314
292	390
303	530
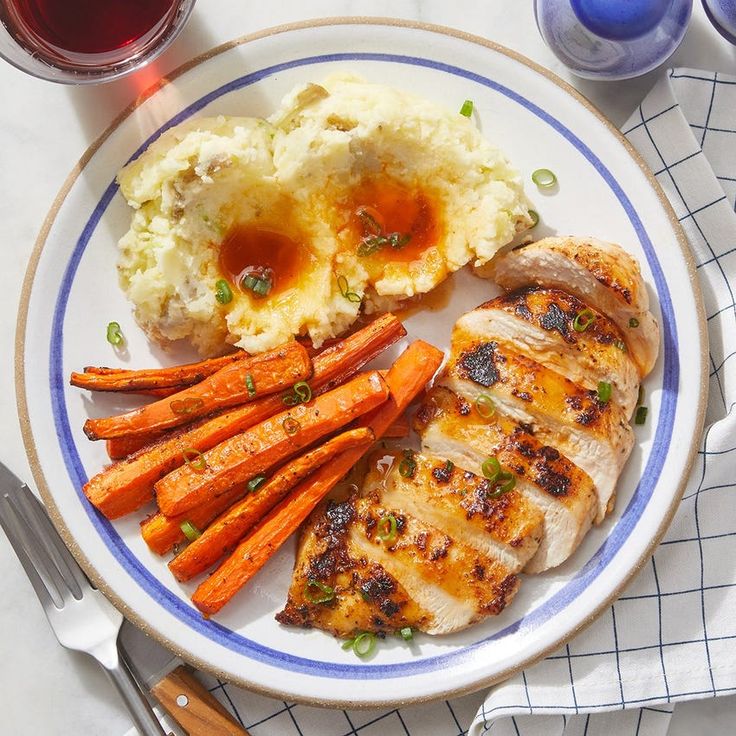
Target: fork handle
139	708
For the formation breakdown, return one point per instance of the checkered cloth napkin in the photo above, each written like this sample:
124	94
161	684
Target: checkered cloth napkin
672	635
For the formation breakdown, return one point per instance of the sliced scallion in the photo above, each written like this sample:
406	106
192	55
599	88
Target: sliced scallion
583	319
544	178
620	344
256	482
250	384
223	292
491	469
194	459
115	334
604	392
370	224
260	285
534	217
364	644
641	415
406	633
408	465
633	322
291	426
640	395
190	531
467	109
303	392
317	592
505	482
484	406
344	286
387	529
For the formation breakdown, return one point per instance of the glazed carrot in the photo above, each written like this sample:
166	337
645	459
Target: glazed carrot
406	378
127	485
119	448
96	378
267	444
161	532
224	533
236	383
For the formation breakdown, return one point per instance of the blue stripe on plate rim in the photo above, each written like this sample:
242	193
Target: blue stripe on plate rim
532	619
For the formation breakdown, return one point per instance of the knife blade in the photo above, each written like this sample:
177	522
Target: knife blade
174	686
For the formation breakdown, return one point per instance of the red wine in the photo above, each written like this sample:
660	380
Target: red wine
74	28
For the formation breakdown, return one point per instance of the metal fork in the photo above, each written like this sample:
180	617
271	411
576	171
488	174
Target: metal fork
81	617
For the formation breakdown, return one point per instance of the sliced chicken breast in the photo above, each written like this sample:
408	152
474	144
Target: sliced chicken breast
593	434
548	481
602	275
545	325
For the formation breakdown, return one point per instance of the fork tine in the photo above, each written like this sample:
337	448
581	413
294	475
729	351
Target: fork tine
11	523
65	563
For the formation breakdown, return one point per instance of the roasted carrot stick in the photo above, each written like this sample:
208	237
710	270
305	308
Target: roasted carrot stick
97	378
161	532
267	444
236	383
406	378
225	532
119	448
127	485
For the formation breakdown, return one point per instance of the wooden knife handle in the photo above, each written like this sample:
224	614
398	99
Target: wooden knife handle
193	707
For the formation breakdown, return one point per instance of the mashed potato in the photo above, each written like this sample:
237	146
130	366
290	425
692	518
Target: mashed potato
351	196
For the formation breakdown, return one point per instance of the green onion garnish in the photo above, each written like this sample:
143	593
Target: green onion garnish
194	459
620	344
223	292
491	469
386	529
640	395
535	218
190	531
348	644
371	226
115	334
604	392
406	633
260	285
182	407
344	286
641	415
544	178
250	385
256	482
449	466
291	426
509	482
321	594
467	109
397	240
302	391
370	245
583	319
484	406
408	465
633	322
364	644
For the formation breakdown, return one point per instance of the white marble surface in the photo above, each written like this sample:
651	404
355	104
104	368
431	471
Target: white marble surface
44	128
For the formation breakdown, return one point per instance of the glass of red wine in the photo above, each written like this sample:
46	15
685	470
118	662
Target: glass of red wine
87	41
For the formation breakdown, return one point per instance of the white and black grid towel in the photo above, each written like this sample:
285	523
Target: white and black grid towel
672	634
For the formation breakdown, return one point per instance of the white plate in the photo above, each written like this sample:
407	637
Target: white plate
71	294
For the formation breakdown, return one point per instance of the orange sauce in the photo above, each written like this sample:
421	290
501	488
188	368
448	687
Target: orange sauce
396	209
262	251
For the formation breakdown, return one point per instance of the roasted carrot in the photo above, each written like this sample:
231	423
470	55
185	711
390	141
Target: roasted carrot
236	383
406	378
225	532
267	444
161	533
97	378
119	448
127	485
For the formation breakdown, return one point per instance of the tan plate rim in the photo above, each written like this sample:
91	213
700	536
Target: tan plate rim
22	402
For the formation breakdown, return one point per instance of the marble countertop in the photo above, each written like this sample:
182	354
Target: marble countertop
44	128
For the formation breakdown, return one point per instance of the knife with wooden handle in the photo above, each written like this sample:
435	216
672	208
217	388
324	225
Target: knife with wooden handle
173	685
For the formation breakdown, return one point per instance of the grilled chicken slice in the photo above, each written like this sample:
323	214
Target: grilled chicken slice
548	481
593	434
446	567
602	275
541	324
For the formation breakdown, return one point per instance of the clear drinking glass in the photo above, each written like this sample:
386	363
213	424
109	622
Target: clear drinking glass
87	41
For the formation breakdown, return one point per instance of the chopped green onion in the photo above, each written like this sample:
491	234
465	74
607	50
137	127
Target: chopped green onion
370	225
325	594
223	292
508	485
604	392
344	286
291	426
535	218
408	465
620	344
182	407
583	319
290	399
115	334
364	644
633	322
348	644
641	415
406	633
544	178
640	395
250	385
467	109
371	244
302	391
484	406
491	469
255	483
260	285
387	529
190	531
194	459
397	240
449	466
